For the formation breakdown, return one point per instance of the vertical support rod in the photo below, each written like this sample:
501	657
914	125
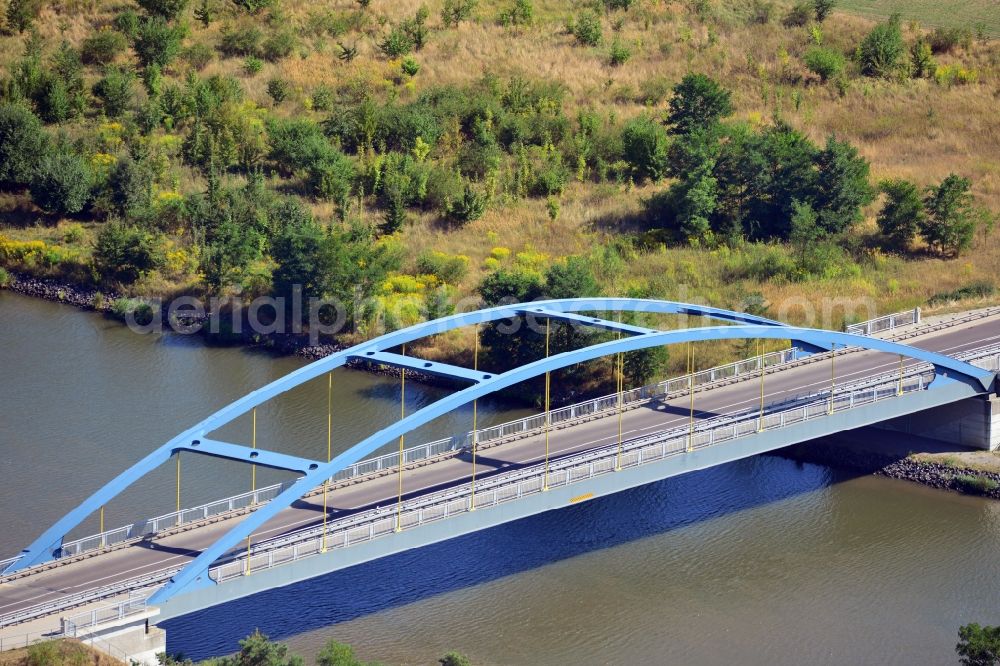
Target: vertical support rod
900	390
253	445
833	375
402	415
475	426
690	446
178	493
548	385
760	353
329	451
103	538
247	568
620	380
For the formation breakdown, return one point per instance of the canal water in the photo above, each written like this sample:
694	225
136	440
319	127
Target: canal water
764	561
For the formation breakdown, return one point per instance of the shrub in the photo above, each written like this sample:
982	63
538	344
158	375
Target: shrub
253	6
881	51
5	279
645	148
279	45
198	55
455	11
410	66
53	100
922	60
397	43
449	268
623	5
168	9
22	144
278	89
825	63
976	485
973	290
252	65
130	189
587	29
950	222
115	90
62	183
761	12
620	53
322	98
125	253
945	40
522	12
21	14
799	15
241	41
103	47
469	207
698	103
127	22
157	42
822	9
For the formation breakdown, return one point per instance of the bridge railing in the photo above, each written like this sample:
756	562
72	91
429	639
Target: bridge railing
885	323
388	461
513	485
76	624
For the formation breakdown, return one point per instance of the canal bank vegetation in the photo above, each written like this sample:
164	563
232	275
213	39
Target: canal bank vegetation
257	650
403	156
64	652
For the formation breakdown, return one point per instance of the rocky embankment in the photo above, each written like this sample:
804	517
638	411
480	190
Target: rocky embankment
833	453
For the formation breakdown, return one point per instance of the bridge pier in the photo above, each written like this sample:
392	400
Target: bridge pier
973	422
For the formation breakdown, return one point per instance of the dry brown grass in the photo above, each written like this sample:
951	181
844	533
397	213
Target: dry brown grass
914	129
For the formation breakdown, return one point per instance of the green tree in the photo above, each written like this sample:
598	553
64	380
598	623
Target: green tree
257	650
115	90
842	186
822	9
337	654
902	214
950	223
455	11
22	143
62	183
696	199
881	52
698	102
978	646
102	47
130	189
157	42
521	12
825	63
645	148
168	9
124	253
572	278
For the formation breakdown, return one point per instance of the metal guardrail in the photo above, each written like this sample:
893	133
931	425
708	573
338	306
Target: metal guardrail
126	586
136	604
26	640
388	461
426	508
513	485
885	323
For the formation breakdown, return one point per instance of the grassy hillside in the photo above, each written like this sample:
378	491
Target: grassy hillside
973	14
544	198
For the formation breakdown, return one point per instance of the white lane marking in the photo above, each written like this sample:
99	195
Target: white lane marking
286	526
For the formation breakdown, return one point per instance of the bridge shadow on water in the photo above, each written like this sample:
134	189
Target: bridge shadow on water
648	511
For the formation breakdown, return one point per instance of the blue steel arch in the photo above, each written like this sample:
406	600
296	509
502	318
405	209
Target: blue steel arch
195	573
49	542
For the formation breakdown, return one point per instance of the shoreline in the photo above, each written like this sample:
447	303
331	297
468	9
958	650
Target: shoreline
871	451
864	452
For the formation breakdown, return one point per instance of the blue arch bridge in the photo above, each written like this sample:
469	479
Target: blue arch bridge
940	379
